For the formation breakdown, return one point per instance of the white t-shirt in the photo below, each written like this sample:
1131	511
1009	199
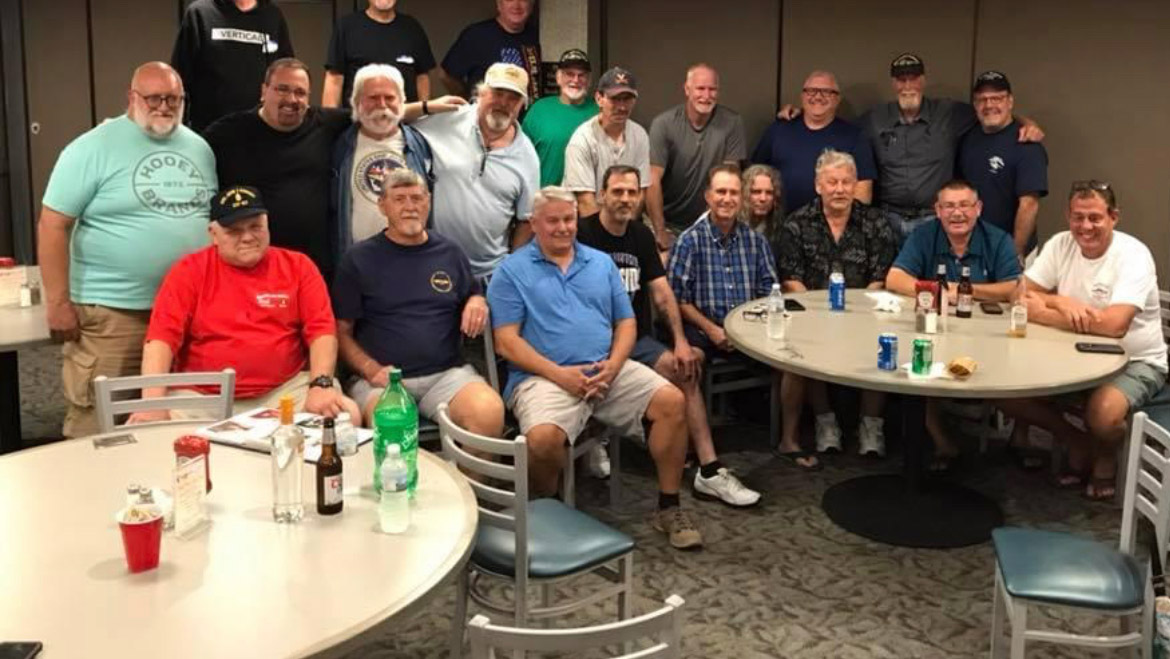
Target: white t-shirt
372	159
591	152
1123	275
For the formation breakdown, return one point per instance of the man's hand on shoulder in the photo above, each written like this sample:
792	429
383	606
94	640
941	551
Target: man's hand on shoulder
448	103
788	112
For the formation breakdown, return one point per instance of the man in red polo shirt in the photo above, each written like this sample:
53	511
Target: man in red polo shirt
263	311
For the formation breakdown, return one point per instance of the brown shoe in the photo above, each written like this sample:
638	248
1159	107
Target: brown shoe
677	525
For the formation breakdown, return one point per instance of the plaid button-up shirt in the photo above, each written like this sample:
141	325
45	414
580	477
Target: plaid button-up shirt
715	272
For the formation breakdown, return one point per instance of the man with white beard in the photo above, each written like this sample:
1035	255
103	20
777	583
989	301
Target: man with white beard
376	144
550	122
125	201
485	170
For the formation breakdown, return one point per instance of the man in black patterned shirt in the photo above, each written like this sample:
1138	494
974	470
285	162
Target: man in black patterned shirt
832	232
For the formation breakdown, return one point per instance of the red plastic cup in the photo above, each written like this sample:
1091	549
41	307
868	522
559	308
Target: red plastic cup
142	541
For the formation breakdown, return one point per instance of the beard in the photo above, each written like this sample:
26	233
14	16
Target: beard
156	127
574	95
380	122
497	121
910	103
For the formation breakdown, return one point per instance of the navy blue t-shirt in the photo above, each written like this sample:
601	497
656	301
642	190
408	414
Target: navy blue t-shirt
793	148
406	301
1002	169
484	43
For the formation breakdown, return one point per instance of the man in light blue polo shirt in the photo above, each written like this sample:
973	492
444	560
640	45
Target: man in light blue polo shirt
563	320
124	202
958	238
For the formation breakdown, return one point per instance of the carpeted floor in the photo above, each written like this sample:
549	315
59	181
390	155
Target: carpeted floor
779	580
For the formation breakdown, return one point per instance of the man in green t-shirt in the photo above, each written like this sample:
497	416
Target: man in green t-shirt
551	120
125	201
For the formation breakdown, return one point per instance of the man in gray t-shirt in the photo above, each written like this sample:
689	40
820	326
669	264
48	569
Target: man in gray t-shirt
686	141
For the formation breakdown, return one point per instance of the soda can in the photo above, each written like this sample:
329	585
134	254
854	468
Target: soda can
923	356
837	294
888	351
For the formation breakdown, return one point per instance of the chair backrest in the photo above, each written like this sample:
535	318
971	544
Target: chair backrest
506	509
108	408
664	626
1164	306
1147	482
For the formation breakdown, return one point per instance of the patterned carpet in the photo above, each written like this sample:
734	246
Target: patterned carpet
779	580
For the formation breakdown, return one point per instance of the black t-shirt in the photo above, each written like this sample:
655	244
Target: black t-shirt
291	170
221	54
636	257
359	40
484	43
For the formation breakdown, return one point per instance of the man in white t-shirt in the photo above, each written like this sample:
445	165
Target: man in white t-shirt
1094	280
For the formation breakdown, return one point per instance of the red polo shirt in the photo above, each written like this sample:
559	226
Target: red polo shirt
259	321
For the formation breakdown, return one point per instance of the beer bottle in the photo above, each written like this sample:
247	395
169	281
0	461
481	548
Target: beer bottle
329	499
966	294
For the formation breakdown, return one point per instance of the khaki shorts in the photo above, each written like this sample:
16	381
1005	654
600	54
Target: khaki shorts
111	345
297	386
429	390
537	401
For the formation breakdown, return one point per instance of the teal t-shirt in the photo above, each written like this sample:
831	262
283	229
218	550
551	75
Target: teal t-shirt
550	124
139	203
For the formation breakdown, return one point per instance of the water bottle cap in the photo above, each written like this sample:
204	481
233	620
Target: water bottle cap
775	287
394	450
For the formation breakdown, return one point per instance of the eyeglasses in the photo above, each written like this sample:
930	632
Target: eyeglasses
1102	188
962	205
823	92
155	101
295	92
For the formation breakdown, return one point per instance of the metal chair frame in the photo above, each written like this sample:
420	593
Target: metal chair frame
108	408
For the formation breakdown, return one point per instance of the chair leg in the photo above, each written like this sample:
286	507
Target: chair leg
626	596
569	480
998	616
1019	622
615	470
459	622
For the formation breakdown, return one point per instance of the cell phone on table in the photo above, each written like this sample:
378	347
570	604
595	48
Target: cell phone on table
792	305
992	308
20	649
1101	348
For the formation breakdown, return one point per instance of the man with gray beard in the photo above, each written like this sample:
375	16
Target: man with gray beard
376	144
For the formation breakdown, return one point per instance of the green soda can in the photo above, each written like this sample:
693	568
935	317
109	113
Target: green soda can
923	356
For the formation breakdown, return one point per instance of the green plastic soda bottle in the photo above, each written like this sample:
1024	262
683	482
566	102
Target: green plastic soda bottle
396	422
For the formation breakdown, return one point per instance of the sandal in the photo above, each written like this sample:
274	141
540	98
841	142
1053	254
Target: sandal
799	459
1071	480
1101	489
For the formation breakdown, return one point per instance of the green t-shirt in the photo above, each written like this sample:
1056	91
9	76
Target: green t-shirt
139	203
550	124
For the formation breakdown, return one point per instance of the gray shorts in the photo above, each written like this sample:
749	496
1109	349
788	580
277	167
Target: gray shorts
537	401
429	391
647	350
1140	382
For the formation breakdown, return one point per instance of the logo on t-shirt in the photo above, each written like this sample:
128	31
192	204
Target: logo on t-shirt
371	171
1101	293
441	282
240	36
629	271
995	163
405	59
170	183
272	300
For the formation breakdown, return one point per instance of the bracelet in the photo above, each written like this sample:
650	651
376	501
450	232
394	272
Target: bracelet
425	110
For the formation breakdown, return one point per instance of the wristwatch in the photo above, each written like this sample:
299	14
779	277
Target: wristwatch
323	381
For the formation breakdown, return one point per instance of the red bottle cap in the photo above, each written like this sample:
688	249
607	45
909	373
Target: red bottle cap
7	262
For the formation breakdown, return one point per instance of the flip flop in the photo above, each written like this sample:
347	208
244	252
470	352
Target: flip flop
800	454
1101	489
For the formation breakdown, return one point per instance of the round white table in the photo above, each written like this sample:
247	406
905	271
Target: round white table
245	587
841	347
20	327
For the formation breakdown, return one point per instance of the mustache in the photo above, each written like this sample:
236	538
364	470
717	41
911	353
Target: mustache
381	114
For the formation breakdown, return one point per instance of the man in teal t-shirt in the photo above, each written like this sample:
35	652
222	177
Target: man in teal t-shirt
551	120
125	201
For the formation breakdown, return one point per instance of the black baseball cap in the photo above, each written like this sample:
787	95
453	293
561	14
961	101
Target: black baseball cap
992	80
907	64
574	57
617	81
236	203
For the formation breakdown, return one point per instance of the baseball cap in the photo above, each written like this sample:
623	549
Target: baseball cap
992	80
236	203
617	81
502	75
907	64
574	57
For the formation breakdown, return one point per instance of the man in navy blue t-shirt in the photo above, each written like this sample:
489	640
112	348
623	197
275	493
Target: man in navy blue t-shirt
401	299
1011	176
794	146
509	37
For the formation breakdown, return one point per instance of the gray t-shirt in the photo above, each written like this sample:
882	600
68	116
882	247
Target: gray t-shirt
687	155
591	152
478	192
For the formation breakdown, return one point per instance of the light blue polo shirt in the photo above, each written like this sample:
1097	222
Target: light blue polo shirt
991	254
139	203
566	316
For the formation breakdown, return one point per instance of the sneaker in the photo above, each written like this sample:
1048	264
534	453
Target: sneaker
725	487
678	526
828	433
597	460
871	438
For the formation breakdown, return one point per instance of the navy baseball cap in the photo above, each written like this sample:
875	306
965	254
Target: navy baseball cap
992	80
236	203
907	64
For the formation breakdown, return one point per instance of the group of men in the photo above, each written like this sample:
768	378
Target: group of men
283	236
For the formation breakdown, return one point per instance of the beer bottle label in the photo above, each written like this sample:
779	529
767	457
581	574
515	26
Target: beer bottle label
332	490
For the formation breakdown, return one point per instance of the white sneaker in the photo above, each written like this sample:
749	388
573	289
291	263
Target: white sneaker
871	437
725	487
828	433
597	460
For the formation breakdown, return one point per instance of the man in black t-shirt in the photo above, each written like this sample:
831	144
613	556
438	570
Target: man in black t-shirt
377	35
284	150
509	37
617	231
222	51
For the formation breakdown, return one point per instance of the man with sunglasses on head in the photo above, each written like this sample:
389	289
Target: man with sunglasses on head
125	200
1096	281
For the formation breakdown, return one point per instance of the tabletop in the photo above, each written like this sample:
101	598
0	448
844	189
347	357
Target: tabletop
841	347
247	586
22	327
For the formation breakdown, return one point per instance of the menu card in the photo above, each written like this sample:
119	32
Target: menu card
190	491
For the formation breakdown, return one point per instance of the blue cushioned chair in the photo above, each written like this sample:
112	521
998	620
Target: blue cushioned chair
527	542
1042	568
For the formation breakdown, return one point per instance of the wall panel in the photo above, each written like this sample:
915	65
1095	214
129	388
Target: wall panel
127	33
310	24
443	20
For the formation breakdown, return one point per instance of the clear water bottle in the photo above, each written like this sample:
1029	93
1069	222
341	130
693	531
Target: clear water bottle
347	436
394	502
776	313
288	455
837	289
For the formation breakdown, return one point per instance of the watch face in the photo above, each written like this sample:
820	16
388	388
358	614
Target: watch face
322	381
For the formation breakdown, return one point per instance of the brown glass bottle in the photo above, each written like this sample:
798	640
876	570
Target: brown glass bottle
329	492
966	299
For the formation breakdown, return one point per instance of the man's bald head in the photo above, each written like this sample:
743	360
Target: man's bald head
155	99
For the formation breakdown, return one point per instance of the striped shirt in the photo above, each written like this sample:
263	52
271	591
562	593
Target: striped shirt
717	272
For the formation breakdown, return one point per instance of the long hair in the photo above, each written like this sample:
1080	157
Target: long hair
771	224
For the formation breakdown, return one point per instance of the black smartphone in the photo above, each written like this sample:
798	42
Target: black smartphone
1102	348
20	649
792	305
992	308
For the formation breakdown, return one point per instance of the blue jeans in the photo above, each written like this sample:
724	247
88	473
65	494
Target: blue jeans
903	224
